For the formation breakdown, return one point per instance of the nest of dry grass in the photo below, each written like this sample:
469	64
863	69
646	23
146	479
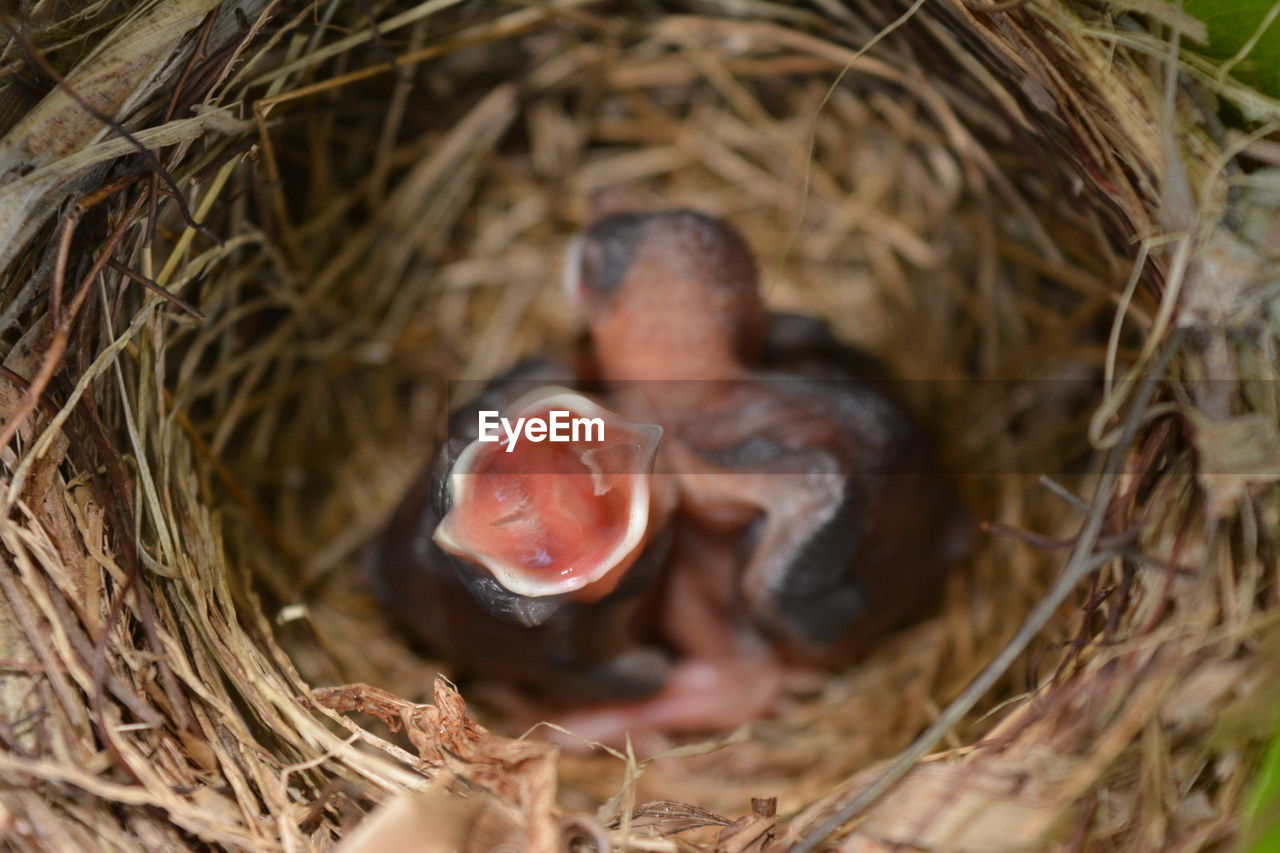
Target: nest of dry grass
244	246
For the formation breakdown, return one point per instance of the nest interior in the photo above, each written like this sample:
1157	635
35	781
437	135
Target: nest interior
349	205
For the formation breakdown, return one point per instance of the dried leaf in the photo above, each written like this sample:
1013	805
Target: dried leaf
447	738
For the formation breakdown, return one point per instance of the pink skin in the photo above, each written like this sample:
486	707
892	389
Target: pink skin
687	309
727	674
699	696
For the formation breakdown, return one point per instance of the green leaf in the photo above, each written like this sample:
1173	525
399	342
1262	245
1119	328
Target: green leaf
1232	25
1262	810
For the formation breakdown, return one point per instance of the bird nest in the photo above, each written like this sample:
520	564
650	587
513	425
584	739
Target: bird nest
245	246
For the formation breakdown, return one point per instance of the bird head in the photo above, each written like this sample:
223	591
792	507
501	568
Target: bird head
545	517
667	295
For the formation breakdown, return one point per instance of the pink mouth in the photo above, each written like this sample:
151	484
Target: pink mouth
550	518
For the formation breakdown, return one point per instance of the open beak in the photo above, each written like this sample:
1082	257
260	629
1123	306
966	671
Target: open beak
554	517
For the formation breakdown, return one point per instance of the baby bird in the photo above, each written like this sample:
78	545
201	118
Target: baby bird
759	511
535	567
814	515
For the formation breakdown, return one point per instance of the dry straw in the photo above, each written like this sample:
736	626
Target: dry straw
243	245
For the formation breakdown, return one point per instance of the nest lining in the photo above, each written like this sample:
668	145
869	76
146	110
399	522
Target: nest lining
978	184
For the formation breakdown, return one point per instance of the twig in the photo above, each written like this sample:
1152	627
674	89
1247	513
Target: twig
155	288
1063	492
379	45
826	98
196	56
994	8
